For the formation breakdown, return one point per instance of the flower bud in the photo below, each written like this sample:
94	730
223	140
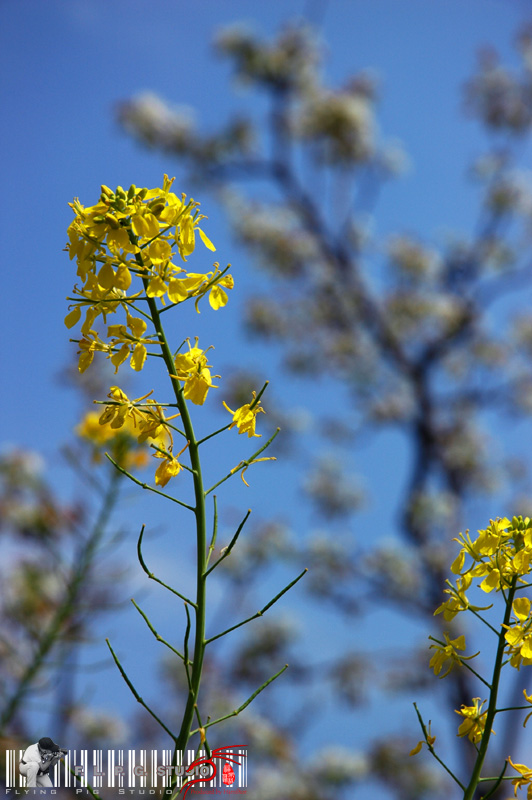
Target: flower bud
112	221
156	208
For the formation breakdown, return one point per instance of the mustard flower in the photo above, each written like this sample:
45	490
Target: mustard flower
446	654
245	417
169	467
146	421
429	741
528	698
458	599
519	635
193	370
134	342
474	720
121	408
137	222
525	779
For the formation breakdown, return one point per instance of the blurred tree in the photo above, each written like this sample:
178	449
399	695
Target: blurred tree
425	339
57	578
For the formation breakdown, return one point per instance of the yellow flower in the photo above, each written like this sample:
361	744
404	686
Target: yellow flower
458	600
519	635
145	421
474	720
446	655
87	347
245	417
192	368
429	741
170	466
217	295
186	234
528	698
525	779
134	342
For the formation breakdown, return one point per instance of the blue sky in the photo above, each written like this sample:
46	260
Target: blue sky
66	63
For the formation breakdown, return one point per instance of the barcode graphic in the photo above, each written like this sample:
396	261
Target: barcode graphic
12	759
136	769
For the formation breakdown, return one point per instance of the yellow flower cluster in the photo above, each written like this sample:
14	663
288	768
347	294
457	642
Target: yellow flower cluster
147	422
501	555
131	234
130	239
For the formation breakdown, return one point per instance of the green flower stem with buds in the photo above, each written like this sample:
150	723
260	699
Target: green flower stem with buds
153	226
201	533
501	556
492	702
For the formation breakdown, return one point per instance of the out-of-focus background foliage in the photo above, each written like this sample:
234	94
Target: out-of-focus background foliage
364	167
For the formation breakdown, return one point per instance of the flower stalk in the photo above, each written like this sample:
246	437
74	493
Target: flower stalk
130	239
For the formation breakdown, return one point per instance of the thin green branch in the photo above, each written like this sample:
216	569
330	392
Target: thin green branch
136	695
214	532
476	674
258	397
261	612
229	546
244	705
214	433
154	577
147	486
157	635
432	750
244	464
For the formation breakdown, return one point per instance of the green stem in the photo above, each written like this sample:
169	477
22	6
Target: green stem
201	532
492	705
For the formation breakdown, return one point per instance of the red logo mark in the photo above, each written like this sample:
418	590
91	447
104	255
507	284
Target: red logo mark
228	775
